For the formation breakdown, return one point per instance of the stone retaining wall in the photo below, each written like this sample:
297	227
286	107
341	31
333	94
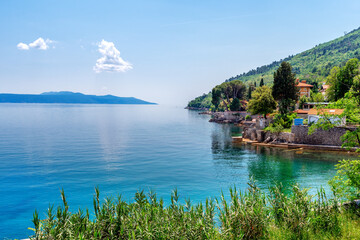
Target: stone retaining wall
280	137
319	137
261	136
299	135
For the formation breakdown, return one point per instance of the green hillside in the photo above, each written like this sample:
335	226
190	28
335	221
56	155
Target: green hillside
312	65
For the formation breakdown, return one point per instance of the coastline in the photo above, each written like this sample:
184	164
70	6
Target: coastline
298	147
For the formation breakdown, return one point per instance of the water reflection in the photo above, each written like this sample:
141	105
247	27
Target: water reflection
271	165
221	138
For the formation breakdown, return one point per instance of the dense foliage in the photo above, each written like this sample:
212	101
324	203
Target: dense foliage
281	122
290	214
235	105
313	65
284	89
226	92
302	100
202	102
316	97
346	183
262	101
341	80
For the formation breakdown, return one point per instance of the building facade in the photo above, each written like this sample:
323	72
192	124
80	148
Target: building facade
304	88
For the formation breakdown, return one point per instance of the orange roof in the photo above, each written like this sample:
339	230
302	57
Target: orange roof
314	111
300	111
325	86
301	84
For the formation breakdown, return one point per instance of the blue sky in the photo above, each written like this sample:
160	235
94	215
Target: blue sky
170	51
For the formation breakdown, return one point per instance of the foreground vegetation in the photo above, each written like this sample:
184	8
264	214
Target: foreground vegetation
280	214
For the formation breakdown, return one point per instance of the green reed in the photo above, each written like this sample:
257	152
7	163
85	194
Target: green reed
251	214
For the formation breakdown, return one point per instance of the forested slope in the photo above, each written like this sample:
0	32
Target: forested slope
312	65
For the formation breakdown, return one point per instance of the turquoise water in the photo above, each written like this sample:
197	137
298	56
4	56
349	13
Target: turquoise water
123	148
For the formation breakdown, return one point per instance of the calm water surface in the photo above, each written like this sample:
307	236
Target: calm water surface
122	149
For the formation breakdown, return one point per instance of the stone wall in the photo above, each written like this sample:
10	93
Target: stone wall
280	137
261	136
250	133
299	135
319	137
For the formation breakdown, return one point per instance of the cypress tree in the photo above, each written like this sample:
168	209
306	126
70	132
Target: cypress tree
284	89
261	82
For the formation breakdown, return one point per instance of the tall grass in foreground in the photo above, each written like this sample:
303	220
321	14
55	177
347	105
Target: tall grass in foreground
247	215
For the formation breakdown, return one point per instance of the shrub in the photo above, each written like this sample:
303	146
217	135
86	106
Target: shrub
247	215
248	118
291	212
325	215
235	105
274	128
346	183
285	120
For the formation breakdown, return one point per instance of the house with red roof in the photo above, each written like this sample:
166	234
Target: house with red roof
334	116
304	88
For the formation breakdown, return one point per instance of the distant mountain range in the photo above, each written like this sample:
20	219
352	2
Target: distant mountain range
68	97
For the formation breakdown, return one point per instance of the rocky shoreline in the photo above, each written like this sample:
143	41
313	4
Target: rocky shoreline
197	109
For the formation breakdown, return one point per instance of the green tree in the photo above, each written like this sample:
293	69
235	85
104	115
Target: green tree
303	99
227	91
284	89
345	77
235	105
261	82
315	89
262	101
355	89
341	80
201	102
215	97
346	183
331	81
316	97
251	88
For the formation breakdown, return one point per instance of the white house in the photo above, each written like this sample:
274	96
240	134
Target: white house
314	115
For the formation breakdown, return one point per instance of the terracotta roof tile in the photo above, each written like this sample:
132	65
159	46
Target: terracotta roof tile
301	111
314	111
301	84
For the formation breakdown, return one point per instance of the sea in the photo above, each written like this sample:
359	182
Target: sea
122	149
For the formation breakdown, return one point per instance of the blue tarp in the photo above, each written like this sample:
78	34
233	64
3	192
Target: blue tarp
298	121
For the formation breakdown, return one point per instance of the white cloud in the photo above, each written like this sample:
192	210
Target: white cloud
39	43
23	46
110	60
